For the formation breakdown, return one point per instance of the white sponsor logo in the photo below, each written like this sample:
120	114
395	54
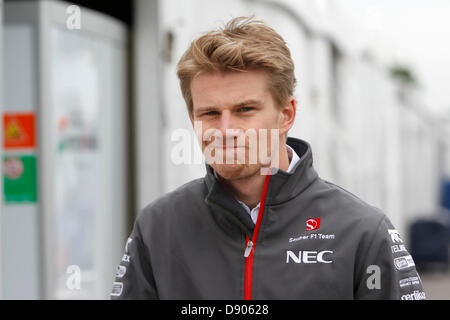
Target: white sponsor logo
398	248
320	236
395	236
308	256
409	281
416	295
117	289
126	258
404	262
120	272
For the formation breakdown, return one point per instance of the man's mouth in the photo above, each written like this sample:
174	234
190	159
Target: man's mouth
225	146
231	147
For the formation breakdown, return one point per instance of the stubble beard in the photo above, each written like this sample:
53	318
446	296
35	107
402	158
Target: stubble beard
237	170
233	172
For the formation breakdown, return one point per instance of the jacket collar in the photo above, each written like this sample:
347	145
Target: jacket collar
283	186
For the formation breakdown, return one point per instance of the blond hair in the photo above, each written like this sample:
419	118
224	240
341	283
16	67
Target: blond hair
242	44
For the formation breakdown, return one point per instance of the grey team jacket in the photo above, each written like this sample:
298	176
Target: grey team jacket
315	241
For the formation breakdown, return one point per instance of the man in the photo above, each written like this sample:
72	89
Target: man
261	227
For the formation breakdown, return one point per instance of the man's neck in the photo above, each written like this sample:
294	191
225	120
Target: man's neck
249	190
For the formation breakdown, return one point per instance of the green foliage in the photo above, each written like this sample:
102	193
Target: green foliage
403	74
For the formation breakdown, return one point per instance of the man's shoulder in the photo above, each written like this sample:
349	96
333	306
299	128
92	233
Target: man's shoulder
183	198
349	207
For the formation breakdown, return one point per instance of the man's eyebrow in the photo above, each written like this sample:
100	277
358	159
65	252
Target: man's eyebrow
247	102
237	105
205	109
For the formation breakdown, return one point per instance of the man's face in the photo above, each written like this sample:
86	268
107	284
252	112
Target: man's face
228	104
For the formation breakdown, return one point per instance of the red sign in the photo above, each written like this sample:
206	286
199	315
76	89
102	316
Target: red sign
19	130
312	224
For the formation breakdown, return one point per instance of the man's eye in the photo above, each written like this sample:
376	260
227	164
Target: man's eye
246	109
211	113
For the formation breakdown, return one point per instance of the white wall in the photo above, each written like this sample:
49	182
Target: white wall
149	118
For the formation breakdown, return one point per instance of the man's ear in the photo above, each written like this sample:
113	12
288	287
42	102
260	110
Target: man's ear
287	116
191	118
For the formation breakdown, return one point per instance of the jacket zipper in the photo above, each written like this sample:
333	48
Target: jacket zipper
250	245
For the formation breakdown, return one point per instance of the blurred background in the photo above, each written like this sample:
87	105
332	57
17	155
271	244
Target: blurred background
90	99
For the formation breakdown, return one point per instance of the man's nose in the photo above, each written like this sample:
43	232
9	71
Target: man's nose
228	127
226	122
